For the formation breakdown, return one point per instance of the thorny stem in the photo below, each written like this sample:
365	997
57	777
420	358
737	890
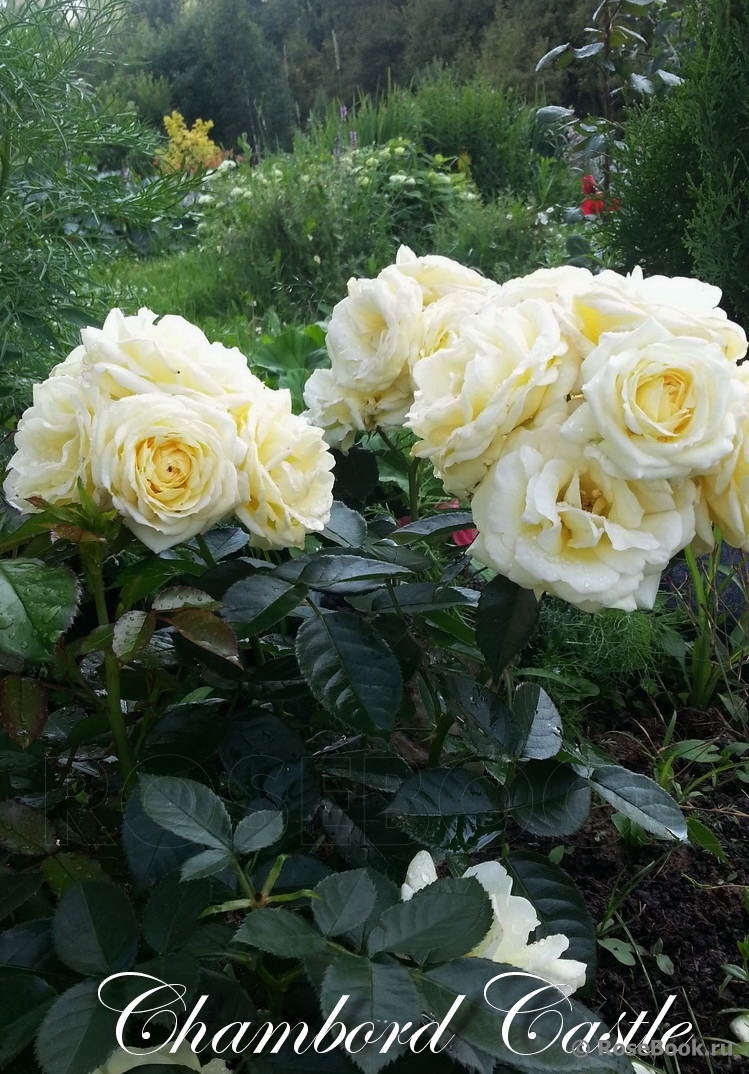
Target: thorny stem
92	565
702	670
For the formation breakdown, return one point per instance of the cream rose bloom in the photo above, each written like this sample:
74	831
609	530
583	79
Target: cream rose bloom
444	319
53	444
587	306
725	494
343	412
169	465
683	306
121	1061
550	285
138	355
505	366
551	519
657	405
440	276
287	468
514	921
374	333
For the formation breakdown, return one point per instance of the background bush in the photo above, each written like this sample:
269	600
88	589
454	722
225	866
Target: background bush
683	179
60	199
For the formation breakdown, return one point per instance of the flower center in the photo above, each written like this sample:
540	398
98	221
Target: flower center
665	399
166	465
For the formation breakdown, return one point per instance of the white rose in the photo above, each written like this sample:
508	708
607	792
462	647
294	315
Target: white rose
374	333
169	465
439	276
551	285
288	470
683	306
725	494
514	920
53	444
740	1027
657	405
343	412
559	288
506	365
551	519
443	320
121	1061
137	355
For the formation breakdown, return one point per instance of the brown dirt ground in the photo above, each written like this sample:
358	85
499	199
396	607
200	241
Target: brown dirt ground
690	901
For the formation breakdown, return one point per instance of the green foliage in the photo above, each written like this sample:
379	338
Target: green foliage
56	202
271	786
290	232
578	656
682	178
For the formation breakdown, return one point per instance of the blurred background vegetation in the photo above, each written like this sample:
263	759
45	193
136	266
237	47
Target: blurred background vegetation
237	161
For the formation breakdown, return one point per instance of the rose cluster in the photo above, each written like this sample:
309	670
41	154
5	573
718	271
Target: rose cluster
174	433
600	423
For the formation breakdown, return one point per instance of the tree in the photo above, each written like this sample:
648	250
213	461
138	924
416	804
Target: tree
683	178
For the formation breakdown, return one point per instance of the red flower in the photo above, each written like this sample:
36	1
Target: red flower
594	205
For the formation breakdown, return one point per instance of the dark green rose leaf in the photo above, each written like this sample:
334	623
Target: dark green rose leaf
440	792
558	902
205	864
173	911
351	670
345	527
208	632
78	1032
132	633
435	526
26	1000
548	798
641	800
23	708
187	809
16	889
253	605
505	620
279	932
94	928
24	830
258	830
538	721
37	605
346	901
444	920
380	992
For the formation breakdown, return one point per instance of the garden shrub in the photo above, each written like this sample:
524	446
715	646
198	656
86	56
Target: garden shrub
683	180
296	228
56	203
